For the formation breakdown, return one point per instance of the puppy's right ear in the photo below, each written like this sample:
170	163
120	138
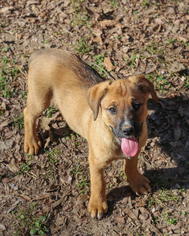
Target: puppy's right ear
95	95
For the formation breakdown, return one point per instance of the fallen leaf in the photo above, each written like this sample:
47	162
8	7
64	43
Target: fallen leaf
105	23
4	124
177	133
7	144
13	167
2	228
120	219
151	69
6	180
6	10
176	67
180	111
180	38
45	123
108	64
42	197
97	35
25	197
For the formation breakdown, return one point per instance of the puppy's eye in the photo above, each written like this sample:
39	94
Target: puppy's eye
112	110
136	106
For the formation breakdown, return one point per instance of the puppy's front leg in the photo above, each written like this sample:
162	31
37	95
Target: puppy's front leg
138	182
98	203
31	140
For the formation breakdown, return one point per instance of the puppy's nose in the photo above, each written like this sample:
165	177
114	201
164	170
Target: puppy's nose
128	130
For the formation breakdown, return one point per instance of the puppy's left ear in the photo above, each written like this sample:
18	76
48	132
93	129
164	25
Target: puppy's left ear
95	95
146	86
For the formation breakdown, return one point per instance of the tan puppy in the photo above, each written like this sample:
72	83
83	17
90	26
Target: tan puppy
110	115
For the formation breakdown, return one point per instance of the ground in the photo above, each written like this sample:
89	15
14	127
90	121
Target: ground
47	194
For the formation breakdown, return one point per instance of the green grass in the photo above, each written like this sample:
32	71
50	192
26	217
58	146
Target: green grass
145	3
131	61
19	122
168	219
167	196
114	3
27	221
25	166
80	16
47	168
99	59
82	182
5	49
161	82
83	46
50	111
52	155
164	196
122	175
24	94
7	75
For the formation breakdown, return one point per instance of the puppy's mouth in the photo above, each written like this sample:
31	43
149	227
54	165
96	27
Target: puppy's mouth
129	145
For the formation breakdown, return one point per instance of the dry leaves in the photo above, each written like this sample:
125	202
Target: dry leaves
108	64
139	37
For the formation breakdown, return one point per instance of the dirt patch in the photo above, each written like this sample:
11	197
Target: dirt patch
48	194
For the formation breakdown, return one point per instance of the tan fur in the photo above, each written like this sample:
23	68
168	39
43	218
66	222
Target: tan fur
83	97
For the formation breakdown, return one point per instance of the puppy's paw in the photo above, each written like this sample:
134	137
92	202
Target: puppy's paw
97	207
32	147
139	184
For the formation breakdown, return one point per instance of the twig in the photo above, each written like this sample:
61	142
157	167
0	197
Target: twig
110	76
55	204
20	69
14	206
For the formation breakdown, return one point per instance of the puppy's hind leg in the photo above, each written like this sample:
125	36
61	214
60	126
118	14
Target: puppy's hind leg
36	104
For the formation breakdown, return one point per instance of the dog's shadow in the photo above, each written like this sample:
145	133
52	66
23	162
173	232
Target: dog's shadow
161	179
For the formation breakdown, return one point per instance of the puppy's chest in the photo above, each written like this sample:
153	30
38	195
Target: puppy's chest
115	151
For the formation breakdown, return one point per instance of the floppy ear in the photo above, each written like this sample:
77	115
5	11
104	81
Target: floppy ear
95	95
146	86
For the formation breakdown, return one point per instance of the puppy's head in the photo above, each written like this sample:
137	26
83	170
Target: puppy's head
123	108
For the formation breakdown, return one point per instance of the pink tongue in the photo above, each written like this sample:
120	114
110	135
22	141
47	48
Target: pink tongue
129	146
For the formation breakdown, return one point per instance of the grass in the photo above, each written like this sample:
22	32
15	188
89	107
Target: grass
99	59
25	166
48	167
83	46
5	49
24	94
77	171
52	155
80	16
19	122
164	196
122	175
7	76
27	221
168	219
161	82
114	3
186	84
4	84
131	61
50	111
167	196
82	183
145	3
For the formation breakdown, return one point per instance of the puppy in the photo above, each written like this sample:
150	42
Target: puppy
110	115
